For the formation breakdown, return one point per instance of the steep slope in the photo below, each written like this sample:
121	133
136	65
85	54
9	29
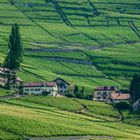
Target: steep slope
89	42
38	116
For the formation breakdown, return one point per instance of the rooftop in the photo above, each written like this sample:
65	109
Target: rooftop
107	88
39	84
61	80
120	96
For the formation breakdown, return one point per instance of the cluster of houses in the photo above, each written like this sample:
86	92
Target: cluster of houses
54	88
60	87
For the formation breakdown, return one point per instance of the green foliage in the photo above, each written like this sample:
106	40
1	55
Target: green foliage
11	79
100	24
100	108
96	24
76	89
14	56
135	87
62	103
29	117
123	105
4	92
70	95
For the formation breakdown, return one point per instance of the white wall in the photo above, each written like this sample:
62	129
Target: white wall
39	90
99	97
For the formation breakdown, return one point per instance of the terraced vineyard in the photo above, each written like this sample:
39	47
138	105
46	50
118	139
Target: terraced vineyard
38	116
86	42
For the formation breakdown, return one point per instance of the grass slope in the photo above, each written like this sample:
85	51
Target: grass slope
38	116
61	38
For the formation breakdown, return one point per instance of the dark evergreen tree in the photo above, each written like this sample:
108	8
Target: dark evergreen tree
15	49
82	91
11	79
12	2
76	89
135	88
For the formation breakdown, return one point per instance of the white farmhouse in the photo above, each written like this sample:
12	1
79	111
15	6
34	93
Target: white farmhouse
36	88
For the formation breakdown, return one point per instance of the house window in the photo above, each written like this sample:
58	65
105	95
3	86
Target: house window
37	89
98	98
104	95
98	93
26	89
50	90
61	91
32	89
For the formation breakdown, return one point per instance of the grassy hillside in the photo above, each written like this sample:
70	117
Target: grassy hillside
87	42
38	116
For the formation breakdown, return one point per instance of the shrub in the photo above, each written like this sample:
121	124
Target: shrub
123	105
70	95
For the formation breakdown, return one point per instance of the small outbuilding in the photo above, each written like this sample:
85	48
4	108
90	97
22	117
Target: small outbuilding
136	105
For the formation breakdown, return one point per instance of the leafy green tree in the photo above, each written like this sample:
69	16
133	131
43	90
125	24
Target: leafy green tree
135	88
15	49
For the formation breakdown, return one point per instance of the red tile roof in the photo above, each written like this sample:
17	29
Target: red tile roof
51	84
39	84
120	96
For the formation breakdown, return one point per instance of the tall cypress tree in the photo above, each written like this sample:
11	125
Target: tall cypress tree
135	87
15	49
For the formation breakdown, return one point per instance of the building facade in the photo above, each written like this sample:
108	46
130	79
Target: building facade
48	88
62	85
136	105
103	93
3	76
4	73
